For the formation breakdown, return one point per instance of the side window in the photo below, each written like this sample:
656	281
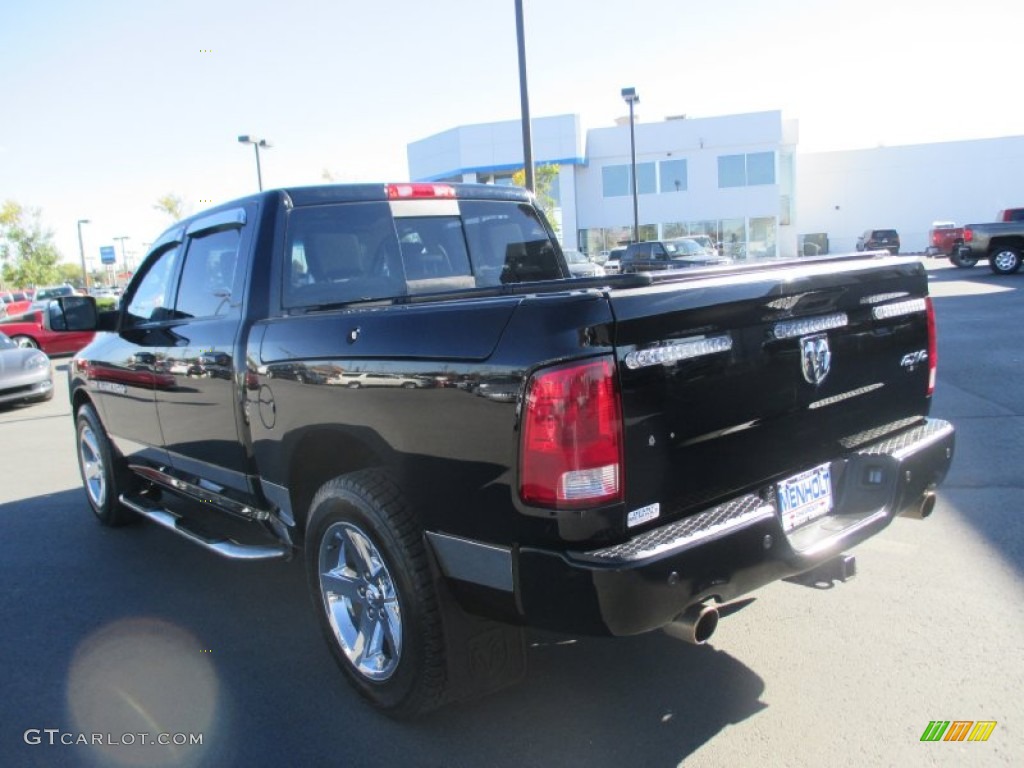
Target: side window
208	277
57	320
151	296
658	252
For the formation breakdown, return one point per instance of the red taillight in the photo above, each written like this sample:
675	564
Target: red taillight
571	452
933	353
419	191
968	235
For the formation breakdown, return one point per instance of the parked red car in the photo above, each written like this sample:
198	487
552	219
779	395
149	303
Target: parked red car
944	238
16	308
34	329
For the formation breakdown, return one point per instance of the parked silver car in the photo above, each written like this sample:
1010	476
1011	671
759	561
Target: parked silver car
581	266
25	374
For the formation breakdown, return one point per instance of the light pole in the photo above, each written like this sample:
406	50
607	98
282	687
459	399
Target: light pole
524	98
632	97
257	144
81	252
124	257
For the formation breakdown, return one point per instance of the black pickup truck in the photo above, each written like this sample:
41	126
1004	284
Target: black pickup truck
403	383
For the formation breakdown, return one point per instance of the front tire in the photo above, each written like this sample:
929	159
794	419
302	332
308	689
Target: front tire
1004	261
103	474
25	342
373	590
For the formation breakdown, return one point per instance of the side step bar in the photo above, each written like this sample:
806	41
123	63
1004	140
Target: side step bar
222	546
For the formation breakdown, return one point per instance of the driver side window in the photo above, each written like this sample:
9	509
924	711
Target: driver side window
153	296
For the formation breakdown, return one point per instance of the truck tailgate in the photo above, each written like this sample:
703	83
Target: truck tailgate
732	380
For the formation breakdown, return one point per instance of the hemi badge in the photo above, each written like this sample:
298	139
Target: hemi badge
643	515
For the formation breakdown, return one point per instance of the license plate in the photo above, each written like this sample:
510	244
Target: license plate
805	497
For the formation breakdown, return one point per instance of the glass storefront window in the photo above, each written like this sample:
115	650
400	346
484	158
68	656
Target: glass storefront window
674	229
594	241
762	237
615	237
709	228
734	238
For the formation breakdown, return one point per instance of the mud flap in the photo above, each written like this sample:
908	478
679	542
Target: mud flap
483	656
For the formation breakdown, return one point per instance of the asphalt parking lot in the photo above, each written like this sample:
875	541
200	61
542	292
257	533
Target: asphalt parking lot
931	628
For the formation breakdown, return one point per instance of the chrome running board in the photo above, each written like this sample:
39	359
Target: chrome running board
222	546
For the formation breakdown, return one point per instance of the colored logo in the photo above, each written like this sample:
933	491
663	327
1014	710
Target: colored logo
958	730
815	358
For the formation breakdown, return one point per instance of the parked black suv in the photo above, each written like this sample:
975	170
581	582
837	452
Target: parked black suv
669	254
877	239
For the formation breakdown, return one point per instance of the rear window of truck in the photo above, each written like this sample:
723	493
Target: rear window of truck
350	252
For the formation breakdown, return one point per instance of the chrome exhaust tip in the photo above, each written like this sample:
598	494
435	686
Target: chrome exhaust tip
923	509
695	625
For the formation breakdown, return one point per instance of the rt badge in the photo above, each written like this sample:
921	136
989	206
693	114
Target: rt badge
815	358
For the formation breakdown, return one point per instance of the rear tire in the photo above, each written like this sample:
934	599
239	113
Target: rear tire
104	475
1004	260
961	261
373	590
26	342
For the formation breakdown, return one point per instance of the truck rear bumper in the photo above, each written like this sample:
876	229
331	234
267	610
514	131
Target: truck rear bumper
731	549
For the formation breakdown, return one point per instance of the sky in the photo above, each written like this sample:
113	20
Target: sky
109	105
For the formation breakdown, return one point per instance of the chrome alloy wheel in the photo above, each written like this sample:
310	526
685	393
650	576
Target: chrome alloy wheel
361	602
93	471
1005	260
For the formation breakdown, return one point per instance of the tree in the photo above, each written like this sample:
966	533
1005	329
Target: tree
26	249
172	205
71	273
543	178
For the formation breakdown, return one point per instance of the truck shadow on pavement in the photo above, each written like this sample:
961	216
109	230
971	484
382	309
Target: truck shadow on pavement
979	316
269	692
647	700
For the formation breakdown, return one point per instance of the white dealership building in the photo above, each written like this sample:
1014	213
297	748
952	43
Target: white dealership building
740	178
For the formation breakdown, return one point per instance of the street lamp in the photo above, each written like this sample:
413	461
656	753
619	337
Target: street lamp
631	97
81	252
524	99
257	144
124	257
